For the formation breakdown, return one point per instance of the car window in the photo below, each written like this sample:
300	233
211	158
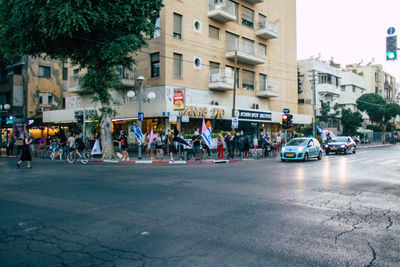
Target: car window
340	139
296	142
311	143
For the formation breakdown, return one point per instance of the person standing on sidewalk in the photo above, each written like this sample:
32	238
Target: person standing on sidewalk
255	144
220	146
171	146
159	147
196	139
230	145
246	147
123	139
279	141
26	153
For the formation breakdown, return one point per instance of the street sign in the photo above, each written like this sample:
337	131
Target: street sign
286	110
185	118
141	116
173	118
391	30
235	123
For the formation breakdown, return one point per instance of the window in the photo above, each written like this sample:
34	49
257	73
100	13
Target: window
263	82
232	41
248	46
44	71
247	17
354	89
376	89
343	88
18	70
197	26
40	99
177	65
248	80
214	72
49	99
155	65
177	26
197	63
157	31
261	21
213	32
262	50
65	74
300	101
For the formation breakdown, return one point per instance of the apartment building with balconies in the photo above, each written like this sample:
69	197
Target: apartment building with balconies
378	81
199	46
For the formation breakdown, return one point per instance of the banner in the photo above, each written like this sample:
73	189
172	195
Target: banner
179	99
138	132
206	134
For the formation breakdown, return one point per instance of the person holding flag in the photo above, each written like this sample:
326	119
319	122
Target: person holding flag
207	137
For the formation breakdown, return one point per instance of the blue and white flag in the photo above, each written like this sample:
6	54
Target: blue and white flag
138	132
206	134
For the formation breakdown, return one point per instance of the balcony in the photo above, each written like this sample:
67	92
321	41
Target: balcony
127	77
267	30
268	90
222	11
253	2
74	83
247	53
326	89
221	80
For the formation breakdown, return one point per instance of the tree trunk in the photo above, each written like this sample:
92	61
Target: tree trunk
106	137
383	133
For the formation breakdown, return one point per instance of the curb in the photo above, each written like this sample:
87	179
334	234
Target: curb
165	161
374	146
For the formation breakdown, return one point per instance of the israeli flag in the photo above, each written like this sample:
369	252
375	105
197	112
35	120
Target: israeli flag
206	134
138	132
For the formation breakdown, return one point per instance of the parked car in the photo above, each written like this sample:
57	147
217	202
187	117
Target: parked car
340	144
302	148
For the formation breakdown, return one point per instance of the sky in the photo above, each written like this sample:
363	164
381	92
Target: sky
349	31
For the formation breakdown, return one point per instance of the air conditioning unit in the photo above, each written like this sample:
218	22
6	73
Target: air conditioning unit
255	106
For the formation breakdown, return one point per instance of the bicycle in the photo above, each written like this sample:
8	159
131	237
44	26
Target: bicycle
73	156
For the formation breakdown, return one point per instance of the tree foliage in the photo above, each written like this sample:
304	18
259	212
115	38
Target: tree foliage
351	121
378	110
97	35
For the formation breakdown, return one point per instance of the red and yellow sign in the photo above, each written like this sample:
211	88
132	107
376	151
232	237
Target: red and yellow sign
179	99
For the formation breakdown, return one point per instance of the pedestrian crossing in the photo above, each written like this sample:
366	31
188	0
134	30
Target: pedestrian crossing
366	158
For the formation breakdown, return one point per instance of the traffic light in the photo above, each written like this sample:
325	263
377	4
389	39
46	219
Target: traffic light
285	119
391	47
290	120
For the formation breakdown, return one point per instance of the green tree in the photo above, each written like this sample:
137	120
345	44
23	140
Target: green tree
351	121
96	35
378	110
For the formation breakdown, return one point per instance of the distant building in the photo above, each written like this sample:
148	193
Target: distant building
378	81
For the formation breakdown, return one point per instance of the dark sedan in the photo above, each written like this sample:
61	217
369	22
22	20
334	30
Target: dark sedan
340	144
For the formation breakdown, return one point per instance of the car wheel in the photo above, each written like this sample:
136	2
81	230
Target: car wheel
283	159
326	152
320	155
305	157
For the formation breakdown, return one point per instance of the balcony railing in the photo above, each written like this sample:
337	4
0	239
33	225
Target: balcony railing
221	10
267	30
75	81
247	52
268	89
221	80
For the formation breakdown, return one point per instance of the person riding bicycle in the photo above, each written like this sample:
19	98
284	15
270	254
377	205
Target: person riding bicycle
79	145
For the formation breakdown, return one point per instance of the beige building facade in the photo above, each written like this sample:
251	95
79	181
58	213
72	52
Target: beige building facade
196	49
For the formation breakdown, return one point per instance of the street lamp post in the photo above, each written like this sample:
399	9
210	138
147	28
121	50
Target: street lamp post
3	108
140	79
150	95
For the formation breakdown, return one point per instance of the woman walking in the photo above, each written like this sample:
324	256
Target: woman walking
26	154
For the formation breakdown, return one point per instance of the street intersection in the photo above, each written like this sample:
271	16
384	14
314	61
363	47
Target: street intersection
342	210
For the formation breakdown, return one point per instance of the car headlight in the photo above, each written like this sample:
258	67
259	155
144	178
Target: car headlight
300	149
326	146
283	149
343	146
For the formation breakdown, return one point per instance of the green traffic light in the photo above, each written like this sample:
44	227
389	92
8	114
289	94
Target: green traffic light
391	55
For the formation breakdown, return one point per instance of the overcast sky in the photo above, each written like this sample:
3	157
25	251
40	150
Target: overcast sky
350	31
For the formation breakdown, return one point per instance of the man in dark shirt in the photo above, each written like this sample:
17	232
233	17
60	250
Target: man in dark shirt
79	145
196	140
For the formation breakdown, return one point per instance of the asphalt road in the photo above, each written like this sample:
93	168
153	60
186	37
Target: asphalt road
341	211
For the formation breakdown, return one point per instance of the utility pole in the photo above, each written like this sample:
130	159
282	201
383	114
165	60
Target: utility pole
234	85
314	104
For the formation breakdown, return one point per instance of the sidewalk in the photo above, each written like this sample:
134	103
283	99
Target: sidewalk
373	145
